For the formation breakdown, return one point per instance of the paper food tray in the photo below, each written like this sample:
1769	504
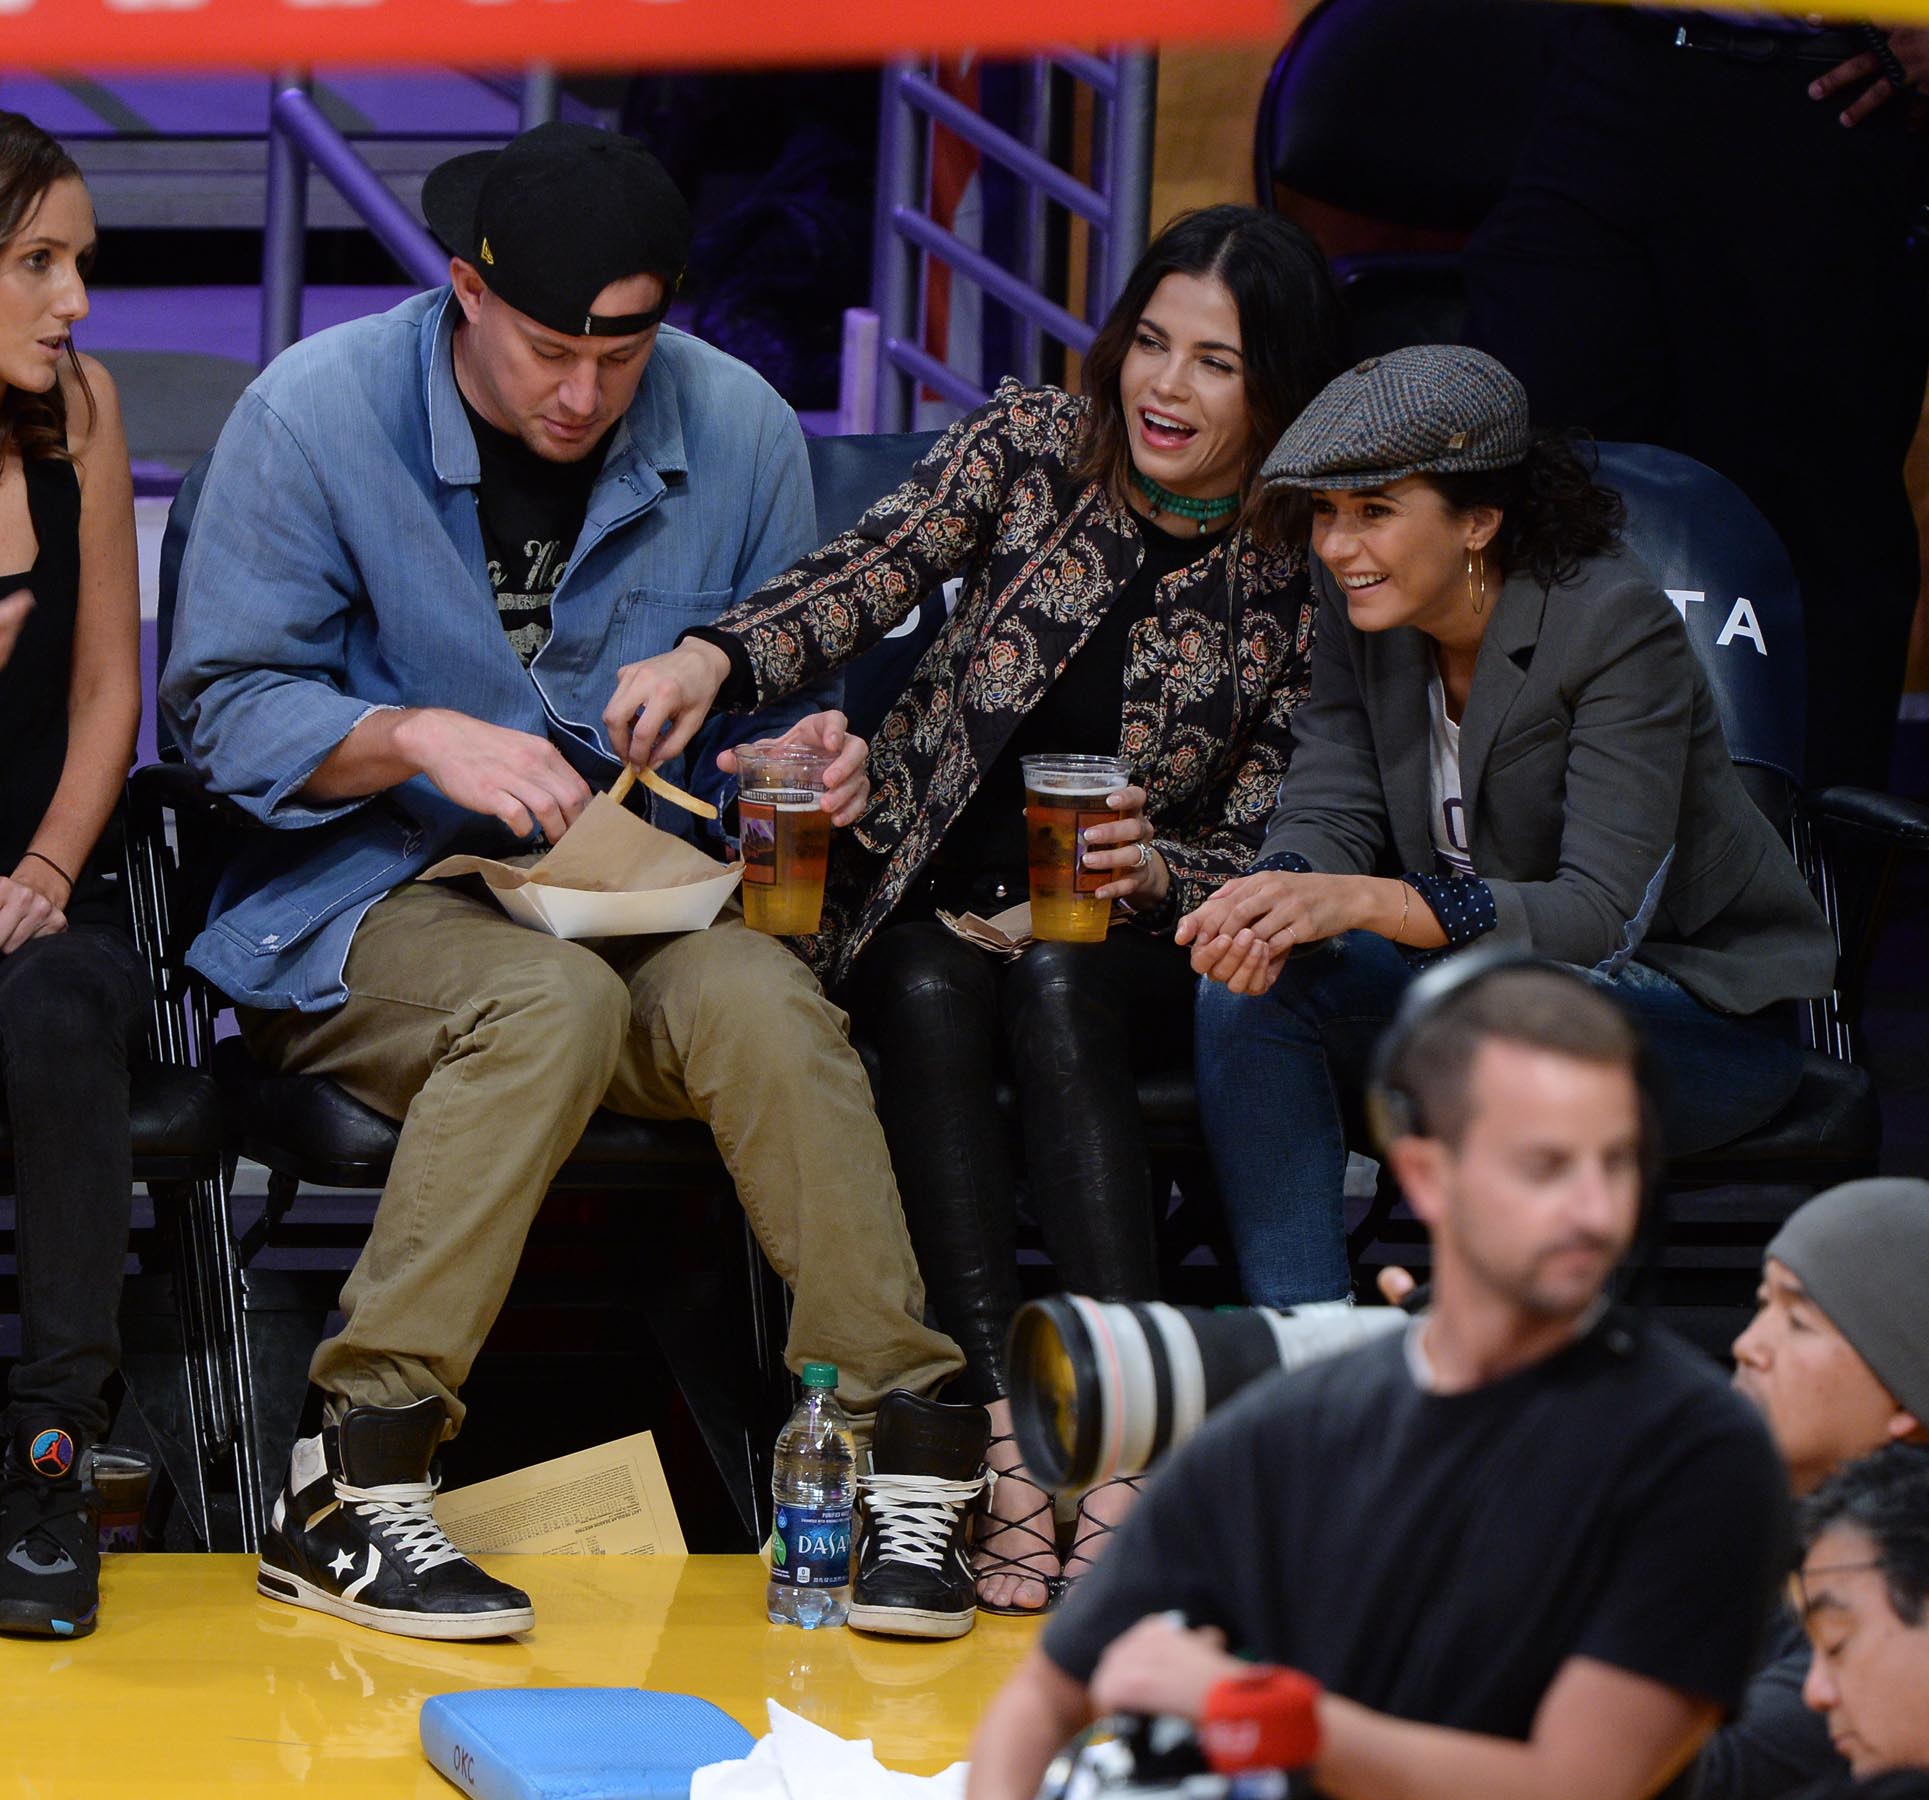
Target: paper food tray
613	875
578	913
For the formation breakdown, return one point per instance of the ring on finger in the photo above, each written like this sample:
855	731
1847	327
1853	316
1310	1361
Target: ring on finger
1145	854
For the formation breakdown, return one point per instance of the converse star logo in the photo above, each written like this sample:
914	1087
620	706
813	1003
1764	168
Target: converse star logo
342	1564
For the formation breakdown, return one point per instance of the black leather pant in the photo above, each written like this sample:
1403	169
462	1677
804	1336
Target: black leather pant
1069	1025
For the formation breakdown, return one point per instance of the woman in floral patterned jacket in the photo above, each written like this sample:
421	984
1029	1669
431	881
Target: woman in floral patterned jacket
1128	588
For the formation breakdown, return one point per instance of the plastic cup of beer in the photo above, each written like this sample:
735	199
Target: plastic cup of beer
1064	797
786	836
121	1477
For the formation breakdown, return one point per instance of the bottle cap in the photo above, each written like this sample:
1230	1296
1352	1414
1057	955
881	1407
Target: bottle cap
820	1375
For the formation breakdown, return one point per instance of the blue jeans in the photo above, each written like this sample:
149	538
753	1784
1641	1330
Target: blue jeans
1272	1068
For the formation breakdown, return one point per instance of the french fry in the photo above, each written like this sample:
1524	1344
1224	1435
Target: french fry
620	789
676	796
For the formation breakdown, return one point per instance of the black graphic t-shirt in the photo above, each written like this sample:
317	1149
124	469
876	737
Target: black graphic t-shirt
531	511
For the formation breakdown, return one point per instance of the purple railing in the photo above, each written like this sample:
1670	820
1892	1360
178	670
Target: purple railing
1115	206
300	138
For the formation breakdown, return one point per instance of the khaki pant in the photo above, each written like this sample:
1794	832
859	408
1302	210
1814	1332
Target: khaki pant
494	1043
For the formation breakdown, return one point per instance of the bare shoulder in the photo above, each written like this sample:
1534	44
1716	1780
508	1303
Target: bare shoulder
93	410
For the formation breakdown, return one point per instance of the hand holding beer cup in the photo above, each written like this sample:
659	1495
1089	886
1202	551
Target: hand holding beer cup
786	835
1079	811
847	777
1140	880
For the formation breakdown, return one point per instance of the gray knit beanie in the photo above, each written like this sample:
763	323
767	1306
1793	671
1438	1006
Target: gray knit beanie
1862	1252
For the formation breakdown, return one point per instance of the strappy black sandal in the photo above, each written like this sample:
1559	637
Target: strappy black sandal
986	1564
1090	1531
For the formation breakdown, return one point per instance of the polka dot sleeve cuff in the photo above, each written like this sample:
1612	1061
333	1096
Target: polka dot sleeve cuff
1289	860
1464	904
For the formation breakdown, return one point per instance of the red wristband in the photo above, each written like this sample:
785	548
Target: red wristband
1266	1719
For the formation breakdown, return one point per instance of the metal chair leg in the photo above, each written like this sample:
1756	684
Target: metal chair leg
219	1386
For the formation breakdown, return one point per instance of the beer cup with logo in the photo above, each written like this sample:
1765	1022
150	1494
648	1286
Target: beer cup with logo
1064	797
786	836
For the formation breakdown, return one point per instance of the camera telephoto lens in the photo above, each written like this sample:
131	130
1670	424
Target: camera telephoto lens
1101	1389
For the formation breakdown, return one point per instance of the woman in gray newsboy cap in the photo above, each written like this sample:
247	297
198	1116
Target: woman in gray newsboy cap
1509	740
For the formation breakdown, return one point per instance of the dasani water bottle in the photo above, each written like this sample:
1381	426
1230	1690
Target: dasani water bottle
812	1484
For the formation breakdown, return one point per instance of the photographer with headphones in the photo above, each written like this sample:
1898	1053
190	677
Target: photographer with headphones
1521	1548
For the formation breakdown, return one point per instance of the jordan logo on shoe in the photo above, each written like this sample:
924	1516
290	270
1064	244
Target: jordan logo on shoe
52	1453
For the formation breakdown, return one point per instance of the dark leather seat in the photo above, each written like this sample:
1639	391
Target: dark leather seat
1830	1131
310	1124
175	1118
846	475
175	1115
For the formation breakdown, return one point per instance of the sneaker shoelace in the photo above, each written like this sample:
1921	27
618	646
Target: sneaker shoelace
915	1515
405	1515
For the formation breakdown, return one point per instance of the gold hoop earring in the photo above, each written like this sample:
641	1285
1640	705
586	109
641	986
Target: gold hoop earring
1478	601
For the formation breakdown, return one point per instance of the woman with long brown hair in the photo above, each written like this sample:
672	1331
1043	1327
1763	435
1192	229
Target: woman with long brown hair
72	988
1128	589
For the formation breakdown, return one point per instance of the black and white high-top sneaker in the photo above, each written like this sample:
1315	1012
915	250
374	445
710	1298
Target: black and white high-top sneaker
354	1534
914	1575
49	1533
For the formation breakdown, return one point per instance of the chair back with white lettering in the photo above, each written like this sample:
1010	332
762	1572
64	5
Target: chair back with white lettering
1729	577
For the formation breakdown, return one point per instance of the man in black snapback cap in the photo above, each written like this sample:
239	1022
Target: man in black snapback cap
428	547
561	214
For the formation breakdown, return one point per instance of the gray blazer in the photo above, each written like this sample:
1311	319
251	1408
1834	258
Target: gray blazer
1603	810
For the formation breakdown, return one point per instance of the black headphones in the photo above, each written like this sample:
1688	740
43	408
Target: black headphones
1393	1110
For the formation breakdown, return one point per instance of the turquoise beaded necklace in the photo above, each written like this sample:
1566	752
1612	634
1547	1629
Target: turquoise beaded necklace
1201	512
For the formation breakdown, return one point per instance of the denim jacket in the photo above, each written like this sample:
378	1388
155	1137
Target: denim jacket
335	566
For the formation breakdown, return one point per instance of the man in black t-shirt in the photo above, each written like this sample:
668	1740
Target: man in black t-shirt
1524	1547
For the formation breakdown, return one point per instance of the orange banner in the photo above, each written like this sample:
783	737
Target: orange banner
587	34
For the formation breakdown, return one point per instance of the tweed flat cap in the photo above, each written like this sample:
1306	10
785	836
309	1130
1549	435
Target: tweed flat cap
1430	409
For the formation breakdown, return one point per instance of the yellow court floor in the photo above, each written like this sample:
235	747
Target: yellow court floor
193	1685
